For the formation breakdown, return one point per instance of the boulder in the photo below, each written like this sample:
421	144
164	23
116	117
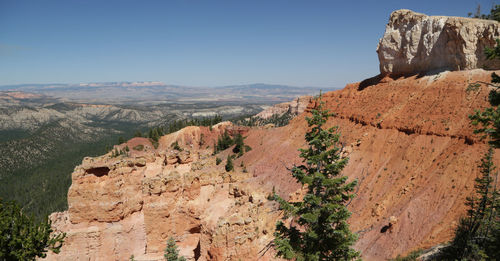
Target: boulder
415	43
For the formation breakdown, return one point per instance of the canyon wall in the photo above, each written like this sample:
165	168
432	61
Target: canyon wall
415	43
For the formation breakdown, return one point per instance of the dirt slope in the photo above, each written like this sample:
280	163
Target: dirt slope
412	150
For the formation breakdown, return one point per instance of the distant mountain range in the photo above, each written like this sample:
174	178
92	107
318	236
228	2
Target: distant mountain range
159	93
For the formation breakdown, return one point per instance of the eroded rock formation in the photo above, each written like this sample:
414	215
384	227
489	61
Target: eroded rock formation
416	43
295	107
410	145
130	205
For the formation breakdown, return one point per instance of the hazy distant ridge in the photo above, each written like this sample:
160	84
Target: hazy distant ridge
158	92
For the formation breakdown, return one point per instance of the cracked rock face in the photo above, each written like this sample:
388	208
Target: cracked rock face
415	43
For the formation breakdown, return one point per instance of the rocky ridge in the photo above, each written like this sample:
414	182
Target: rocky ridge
32	117
415	43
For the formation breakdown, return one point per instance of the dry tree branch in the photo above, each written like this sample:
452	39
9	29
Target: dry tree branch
266	248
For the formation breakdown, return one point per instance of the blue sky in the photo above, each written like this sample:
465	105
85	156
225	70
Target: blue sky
200	43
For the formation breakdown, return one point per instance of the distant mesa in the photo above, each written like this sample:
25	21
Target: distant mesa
123	84
415	43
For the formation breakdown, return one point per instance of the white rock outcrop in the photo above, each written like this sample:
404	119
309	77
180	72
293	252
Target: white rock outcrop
295	107
416	43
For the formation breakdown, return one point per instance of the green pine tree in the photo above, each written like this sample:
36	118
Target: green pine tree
22	238
155	134
318	228
239	147
474	231
229	164
223	142
171	252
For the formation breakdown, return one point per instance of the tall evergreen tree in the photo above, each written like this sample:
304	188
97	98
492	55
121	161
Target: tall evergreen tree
474	231
318	227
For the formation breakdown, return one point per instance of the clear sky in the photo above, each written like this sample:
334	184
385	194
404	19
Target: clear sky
200	43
